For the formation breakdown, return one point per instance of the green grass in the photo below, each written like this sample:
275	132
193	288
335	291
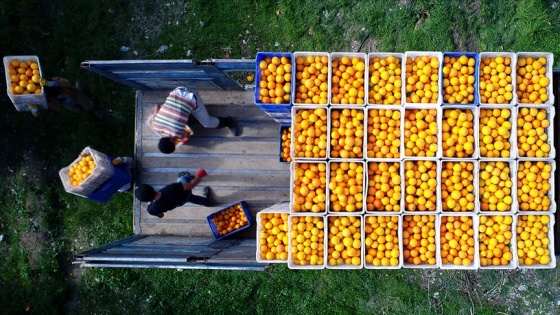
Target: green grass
43	226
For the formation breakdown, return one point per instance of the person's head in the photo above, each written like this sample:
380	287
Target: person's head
166	145
145	193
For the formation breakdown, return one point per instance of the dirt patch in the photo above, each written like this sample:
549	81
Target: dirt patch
31	243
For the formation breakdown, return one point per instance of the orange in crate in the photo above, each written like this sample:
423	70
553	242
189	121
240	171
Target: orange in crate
273	236
81	170
229	220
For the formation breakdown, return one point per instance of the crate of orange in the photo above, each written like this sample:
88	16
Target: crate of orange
420	130
307	241
347	132
384	186
272	234
422	77
345	242
535	132
308	191
386	73
274	78
422	186
497	241
459	132
460	78
459	241
383	246
534	78
312	79
346	182
383	134
310	125
496	79
285	142
349	78
459	186
496	132
420	239
23	76
535	241
229	220
87	173
535	186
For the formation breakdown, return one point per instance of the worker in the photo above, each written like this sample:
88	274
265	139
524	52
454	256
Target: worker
60	93
170	119
174	195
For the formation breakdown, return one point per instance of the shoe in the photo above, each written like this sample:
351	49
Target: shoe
185	174
207	192
230	123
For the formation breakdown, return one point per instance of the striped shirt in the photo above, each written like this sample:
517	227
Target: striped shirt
172	117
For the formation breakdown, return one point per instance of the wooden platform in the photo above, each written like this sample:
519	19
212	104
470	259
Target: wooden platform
239	168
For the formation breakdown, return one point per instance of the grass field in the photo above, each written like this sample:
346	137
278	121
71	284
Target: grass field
42	226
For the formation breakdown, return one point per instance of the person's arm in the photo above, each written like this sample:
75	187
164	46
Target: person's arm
190	185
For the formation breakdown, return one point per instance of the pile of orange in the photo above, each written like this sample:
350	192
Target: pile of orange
383	133
24	77
457	240
230	219
285	144
422	77
495	233
458	133
307	240
81	170
347	133
495	84
312	74
345	245
346	186
384	186
348	81
532	136
532	81
419	239
420	132
310	133
495	186
273	236
458	80
532	239
420	182
457	186
533	185
382	240
495	132
385	80
275	80
309	190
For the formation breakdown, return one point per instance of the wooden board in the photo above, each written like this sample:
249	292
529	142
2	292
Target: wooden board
240	168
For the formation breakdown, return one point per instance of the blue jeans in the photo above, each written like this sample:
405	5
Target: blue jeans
192	198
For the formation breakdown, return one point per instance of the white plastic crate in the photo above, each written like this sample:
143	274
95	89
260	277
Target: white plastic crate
414	54
399	237
295	111
458	55
549	63
513	132
361	56
437	240
401	137
550	110
512	245
513	176
293	166
367	180
407	109
340	108
297	82
552	263
21	102
102	172
291	263
282	208
513	63
464	109
330	175
475	184
437	191
476	258
360	250
550	194
399	56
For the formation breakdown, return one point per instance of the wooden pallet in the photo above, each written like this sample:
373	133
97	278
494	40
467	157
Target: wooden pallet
239	168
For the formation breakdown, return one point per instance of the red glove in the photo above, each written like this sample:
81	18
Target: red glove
201	173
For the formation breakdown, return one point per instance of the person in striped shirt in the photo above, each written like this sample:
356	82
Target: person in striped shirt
170	119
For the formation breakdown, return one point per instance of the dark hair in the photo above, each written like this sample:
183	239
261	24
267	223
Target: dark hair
166	145
145	193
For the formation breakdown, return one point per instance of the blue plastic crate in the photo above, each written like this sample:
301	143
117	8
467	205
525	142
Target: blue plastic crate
214	228
476	57
283	126
275	109
264	55
120	177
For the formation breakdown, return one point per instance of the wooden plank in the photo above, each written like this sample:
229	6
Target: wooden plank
208	96
225	179
210	162
216	145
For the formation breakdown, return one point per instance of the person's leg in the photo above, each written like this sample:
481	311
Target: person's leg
201	114
199	200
